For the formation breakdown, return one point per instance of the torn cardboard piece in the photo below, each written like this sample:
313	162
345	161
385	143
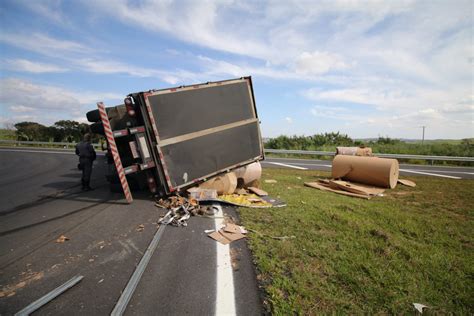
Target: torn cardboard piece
325	187
406	182
354	188
257	191
228	234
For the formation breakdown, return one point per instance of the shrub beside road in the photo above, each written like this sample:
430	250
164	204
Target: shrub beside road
365	257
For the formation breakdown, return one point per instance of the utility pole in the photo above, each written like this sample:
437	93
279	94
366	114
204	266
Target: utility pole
423	139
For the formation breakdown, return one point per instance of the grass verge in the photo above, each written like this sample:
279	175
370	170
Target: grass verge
365	257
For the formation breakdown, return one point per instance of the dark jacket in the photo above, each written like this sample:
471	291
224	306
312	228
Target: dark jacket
85	151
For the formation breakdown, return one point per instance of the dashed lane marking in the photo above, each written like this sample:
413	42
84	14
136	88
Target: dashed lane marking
430	174
286	165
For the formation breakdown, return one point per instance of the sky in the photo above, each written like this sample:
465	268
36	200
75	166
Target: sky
363	68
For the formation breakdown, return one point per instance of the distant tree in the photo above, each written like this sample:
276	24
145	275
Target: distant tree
70	131
31	131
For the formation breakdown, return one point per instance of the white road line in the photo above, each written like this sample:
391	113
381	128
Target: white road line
444	171
225	297
285	165
430	174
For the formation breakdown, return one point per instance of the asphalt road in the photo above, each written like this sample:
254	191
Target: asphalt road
405	169
41	200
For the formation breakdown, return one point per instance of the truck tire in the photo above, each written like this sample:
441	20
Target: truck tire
93	116
97	128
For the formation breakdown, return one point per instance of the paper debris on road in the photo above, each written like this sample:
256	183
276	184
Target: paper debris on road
406	182
61	239
271	181
227	234
140	228
202	194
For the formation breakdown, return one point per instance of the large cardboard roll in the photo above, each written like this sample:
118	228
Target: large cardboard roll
223	184
249	173
354	151
380	172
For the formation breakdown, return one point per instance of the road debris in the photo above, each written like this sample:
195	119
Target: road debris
50	296
354	151
406	182
202	194
223	184
258	191
419	307
61	239
228	234
379	172
140	228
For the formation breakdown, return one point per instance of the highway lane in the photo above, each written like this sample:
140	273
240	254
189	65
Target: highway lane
41	200
405	169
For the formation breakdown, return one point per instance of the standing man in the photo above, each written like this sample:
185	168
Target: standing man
87	155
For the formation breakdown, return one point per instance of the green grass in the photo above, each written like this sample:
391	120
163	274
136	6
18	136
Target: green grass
354	256
7	134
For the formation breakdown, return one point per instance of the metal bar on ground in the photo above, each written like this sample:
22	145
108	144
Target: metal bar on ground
127	293
113	149
50	296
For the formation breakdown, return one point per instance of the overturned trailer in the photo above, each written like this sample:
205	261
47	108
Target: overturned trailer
171	139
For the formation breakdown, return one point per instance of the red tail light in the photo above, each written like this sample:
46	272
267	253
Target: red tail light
151	183
129	105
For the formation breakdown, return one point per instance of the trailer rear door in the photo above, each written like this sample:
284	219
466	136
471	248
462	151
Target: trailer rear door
205	129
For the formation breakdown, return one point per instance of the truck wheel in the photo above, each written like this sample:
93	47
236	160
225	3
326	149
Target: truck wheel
97	128
93	116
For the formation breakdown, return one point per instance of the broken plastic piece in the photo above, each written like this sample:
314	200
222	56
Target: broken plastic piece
419	307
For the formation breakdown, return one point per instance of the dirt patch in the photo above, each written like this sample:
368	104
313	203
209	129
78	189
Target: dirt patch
26	278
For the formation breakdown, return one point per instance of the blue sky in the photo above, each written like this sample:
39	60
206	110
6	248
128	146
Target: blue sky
365	68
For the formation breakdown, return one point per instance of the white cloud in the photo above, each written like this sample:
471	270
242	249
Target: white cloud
21	108
289	120
44	44
46	103
31	66
318	63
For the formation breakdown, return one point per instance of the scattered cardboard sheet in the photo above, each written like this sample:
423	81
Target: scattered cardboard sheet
354	188
408	183
232	228
228	234
258	191
323	187
218	237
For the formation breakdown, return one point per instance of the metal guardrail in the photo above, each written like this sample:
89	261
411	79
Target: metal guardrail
273	151
395	156
60	144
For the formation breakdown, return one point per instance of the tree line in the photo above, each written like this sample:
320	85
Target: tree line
61	131
329	142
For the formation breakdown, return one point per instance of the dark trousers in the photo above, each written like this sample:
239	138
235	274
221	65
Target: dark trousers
86	165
